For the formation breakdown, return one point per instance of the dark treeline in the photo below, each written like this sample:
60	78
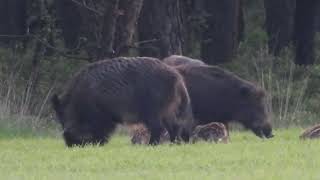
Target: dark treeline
94	30
43	42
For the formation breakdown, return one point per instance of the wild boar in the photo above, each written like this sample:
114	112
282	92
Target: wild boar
124	90
219	95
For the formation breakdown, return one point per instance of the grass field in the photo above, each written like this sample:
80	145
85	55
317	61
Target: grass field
246	157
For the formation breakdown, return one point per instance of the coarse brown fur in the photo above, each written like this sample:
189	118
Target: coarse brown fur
140	135
124	90
177	60
311	133
212	132
219	95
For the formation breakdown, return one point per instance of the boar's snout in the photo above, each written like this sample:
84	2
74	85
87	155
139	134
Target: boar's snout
72	141
263	131
267	132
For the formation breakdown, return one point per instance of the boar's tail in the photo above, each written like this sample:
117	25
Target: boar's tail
184	112
56	103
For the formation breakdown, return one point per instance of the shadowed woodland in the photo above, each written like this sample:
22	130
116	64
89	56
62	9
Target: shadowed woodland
272	42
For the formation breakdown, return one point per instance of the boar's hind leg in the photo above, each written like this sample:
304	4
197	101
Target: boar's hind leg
172	130
185	135
176	132
102	123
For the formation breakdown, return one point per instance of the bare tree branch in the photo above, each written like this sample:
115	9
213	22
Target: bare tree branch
146	41
87	7
62	52
66	52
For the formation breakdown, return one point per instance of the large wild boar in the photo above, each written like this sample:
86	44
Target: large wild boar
124	90
219	95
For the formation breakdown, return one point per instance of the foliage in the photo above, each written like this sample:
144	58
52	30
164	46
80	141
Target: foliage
23	100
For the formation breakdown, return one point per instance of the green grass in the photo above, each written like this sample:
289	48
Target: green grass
246	157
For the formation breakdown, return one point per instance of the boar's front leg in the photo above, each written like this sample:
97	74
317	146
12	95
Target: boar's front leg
155	131
172	130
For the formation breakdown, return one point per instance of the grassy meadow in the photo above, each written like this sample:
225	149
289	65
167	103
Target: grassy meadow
246	157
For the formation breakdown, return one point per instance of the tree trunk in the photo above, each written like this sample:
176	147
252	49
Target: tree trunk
13	16
241	22
304	31
220	38
4	16
129	13
106	28
69	20
160	25
318	17
192	22
279	23
98	27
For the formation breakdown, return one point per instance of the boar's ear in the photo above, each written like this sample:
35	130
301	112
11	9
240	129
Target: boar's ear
260	93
